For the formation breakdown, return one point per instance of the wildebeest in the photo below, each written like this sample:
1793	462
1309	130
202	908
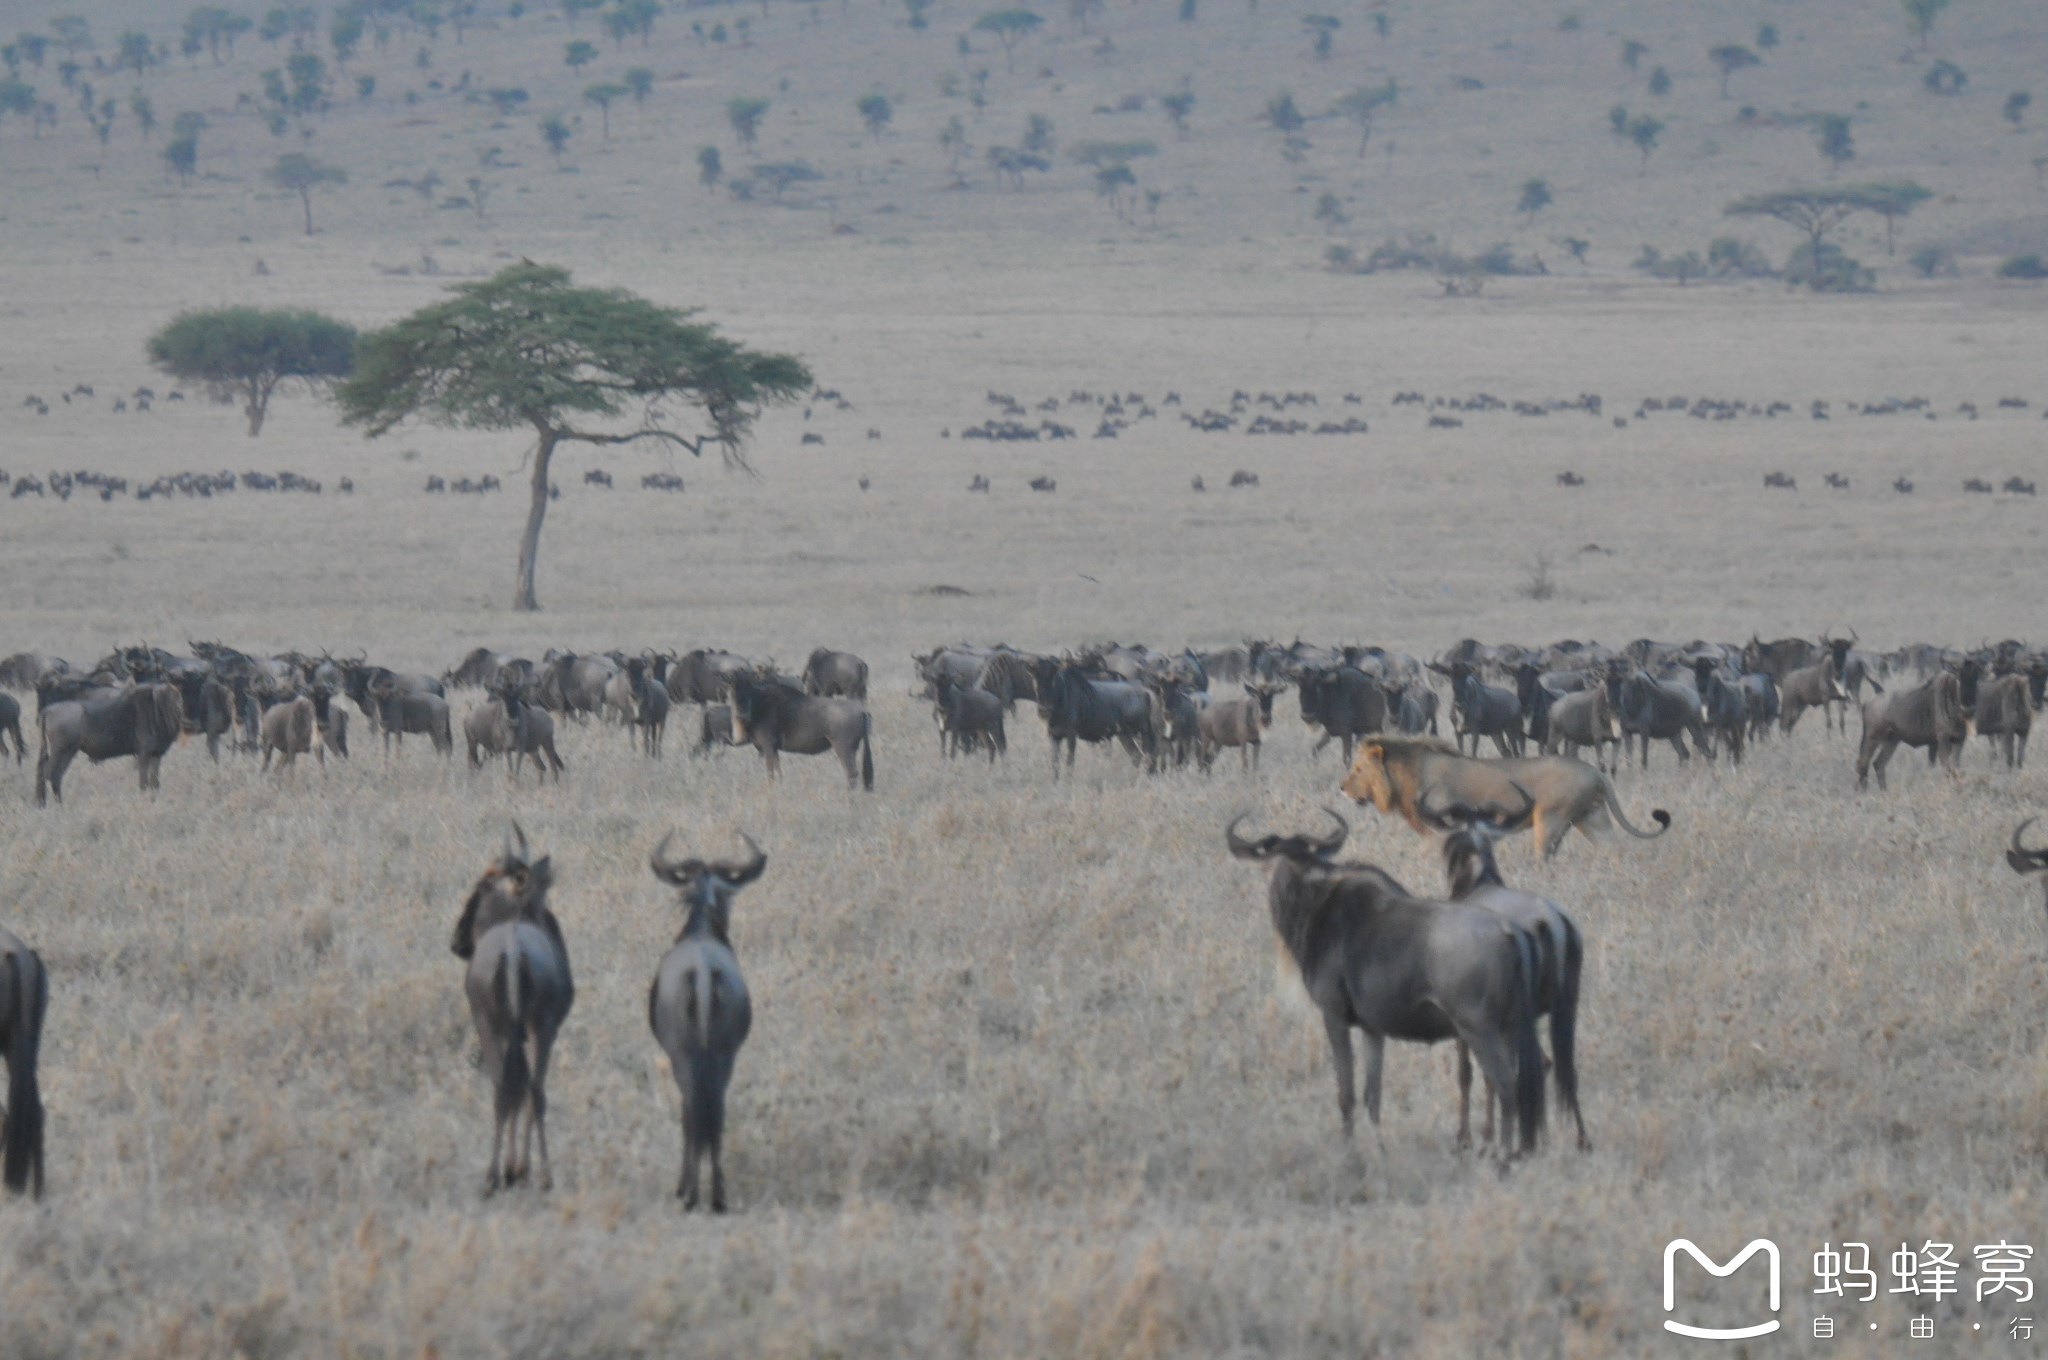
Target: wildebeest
1373	957
288	730
1234	722
714	729
209	705
1660	710
1343	701
1394	774
143	721
1723	708
836	673
969	717
400	711
1814	686
10	721
770	714
1780	658
361	683
486	732
1929	716
1585	718
1482	710
650	704
1760	701
1077	707
2000	710
24	997
519	992
1411	706
575	685
698	1006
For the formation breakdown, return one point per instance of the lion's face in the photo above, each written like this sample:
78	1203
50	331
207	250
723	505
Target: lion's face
1367	781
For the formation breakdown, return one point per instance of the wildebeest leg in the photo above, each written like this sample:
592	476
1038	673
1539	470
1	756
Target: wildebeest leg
1884	756
1321	742
1677	744
1339	1031
1465	1096
1500	744
1497	1063
537	1112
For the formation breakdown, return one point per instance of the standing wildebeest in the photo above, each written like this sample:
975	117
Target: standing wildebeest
650	705
1182	705
486	730
772	716
842	674
1814	686
698	1006
1234	722
1375	958
1342	700
715	729
400	711
519	993
1659	710
10	721
1853	668
1779	659
209	705
1723	708
704	677
361	683
288	729
1930	715
1411	706
143	722
531	730
575	685
969	717
1482	710
24	996
1760	700
1079	708
1584	718
2000	710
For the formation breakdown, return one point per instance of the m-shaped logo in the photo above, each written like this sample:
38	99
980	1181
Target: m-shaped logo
1676	1245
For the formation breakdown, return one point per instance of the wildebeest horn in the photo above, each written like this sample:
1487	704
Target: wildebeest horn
1241	847
1329	844
521	834
739	875
665	869
2023	860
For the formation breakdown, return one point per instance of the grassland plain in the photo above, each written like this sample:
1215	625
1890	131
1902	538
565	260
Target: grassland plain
1024	1080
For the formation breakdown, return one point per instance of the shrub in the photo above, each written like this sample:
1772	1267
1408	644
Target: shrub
2023	267
1827	269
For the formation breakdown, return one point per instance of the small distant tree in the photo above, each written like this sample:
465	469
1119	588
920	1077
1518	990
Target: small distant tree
1008	27
1816	212
1617	121
1178	105
1186	13
1837	147
345	33
953	141
145	113
640	81
1633	52
33	47
1660	82
1643	132
247	354
709	166
745	113
602	95
1576	247
1945	77
1767	36
1330	212
2016	107
638	17
917	9
1080	11
875	111
181	154
1283	115
2023	267
301	174
1008	163
555	131
1892	201
1322	30
1363	105
1920	15
506	99
1931	262
16	97
1110	183
134	52
1535	198
578	54
72	33
1038	136
776	177
1730	58
526	350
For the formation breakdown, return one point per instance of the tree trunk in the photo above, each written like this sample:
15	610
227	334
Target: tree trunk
306	198
259	405
529	543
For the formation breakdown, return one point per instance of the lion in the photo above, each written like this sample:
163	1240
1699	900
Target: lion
1394	774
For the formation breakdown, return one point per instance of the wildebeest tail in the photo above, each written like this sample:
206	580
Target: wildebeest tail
509	984
1657	815
22	1153
867	752
1564	1022
1528	1053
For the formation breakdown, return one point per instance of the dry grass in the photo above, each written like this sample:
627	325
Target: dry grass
1022	1081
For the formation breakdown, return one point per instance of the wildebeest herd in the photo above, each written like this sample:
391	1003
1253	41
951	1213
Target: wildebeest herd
1485	965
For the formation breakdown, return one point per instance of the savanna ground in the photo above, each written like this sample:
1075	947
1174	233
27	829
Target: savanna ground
1023	1079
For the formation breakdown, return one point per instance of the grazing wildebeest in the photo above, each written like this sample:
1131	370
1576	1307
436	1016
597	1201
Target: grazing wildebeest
10	721
1234	722
24	997
1474	877
772	715
650	705
1373	957
1394	773
400	711
1482	710
1723	709
143	721
969	717
2003	716
1343	701
288	730
698	1006
1077	708
832	673
1929	716
1814	686
1584	718
519	992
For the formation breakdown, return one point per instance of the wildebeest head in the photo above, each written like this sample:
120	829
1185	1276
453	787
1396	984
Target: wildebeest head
1297	848
706	887
511	888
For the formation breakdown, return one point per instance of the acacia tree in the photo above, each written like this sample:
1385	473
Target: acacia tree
1921	14
526	349
1535	198
745	114
602	94
302	174
875	110
1730	58
1008	26
1891	201
245	353
1362	105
